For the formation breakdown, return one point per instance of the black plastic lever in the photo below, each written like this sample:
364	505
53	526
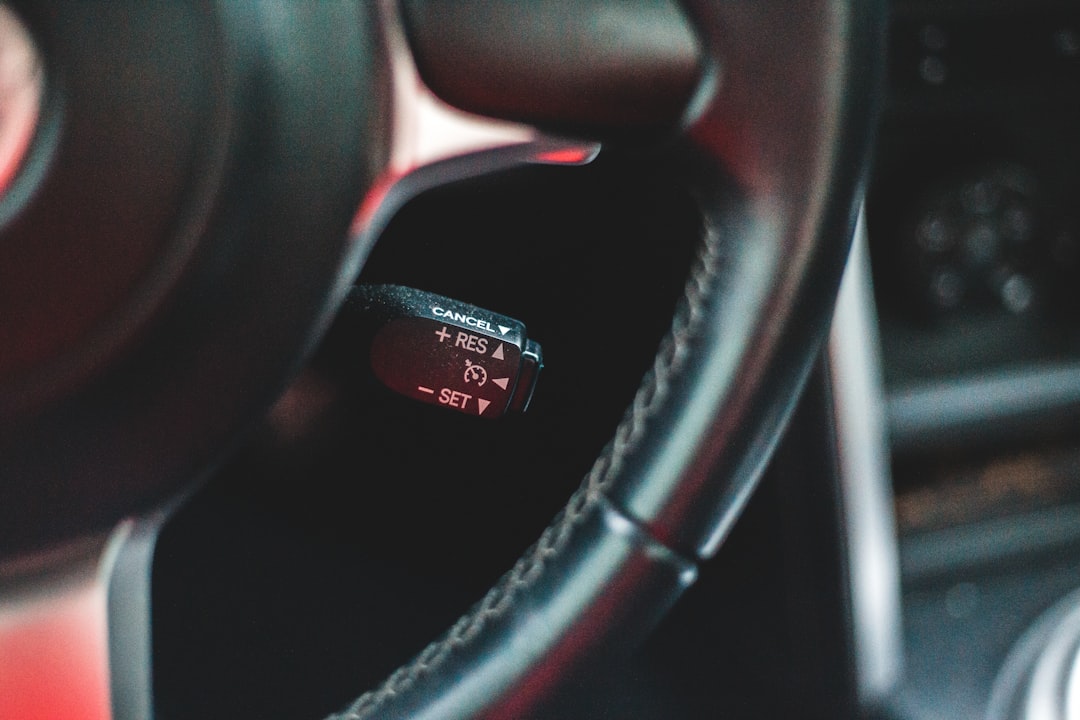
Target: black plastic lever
446	352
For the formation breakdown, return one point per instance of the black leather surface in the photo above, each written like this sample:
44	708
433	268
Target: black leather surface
599	67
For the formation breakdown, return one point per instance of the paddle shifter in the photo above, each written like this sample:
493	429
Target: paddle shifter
446	352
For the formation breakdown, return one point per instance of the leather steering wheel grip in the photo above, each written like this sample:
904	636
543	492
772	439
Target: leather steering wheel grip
775	153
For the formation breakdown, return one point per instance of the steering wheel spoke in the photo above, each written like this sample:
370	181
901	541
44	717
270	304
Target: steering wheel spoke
596	68
434	143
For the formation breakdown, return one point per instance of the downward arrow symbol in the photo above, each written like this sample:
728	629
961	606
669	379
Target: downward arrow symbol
503	329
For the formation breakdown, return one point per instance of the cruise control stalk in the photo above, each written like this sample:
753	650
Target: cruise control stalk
446	352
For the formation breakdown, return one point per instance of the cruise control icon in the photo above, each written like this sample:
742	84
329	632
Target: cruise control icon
475	373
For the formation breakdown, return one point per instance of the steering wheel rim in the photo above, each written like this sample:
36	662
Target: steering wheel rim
774	149
627	543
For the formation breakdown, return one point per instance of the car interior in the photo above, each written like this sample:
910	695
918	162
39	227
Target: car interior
627	359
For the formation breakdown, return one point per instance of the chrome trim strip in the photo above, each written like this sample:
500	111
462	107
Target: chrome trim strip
129	606
933	414
865	483
936	553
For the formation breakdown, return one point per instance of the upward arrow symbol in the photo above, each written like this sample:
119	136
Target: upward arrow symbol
503	329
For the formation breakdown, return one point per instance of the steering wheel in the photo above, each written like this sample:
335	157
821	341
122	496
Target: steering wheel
205	180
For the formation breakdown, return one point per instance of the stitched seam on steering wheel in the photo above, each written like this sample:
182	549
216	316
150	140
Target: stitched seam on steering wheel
670	360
